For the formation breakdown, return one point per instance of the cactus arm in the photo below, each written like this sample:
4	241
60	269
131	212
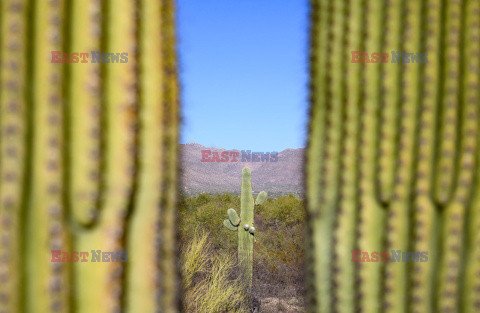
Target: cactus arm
261	198
13	113
229	225
143	268
151	207
371	214
233	217
85	113
99	286
47	283
425	213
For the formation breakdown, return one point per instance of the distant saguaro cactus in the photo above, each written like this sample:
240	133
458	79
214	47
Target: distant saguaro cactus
245	227
393	156
88	155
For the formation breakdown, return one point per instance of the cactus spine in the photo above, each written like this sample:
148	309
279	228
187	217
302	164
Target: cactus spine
401	174
244	225
88	156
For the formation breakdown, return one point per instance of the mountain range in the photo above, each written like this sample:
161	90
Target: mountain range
275	173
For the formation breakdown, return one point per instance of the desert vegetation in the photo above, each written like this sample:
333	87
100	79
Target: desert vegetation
209	255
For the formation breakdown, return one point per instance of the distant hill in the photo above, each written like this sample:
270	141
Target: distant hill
283	176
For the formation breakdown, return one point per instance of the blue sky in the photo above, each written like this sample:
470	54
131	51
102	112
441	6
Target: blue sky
244	73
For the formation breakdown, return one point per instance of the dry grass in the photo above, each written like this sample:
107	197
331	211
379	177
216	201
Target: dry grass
207	279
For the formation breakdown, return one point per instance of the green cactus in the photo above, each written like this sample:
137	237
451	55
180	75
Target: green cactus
261	198
244	225
392	155
88	156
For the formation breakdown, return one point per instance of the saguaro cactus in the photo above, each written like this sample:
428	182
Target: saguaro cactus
245	227
393	156
88	155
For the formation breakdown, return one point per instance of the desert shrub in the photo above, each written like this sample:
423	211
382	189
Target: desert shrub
207	278
207	212
278	261
283	210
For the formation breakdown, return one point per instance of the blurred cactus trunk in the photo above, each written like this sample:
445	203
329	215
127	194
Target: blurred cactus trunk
88	155
393	156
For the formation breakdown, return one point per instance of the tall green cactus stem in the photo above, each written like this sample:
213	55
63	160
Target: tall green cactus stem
85	113
88	156
156	197
401	174
48	285
372	216
345	231
244	225
13	122
245	239
470	94
425	217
